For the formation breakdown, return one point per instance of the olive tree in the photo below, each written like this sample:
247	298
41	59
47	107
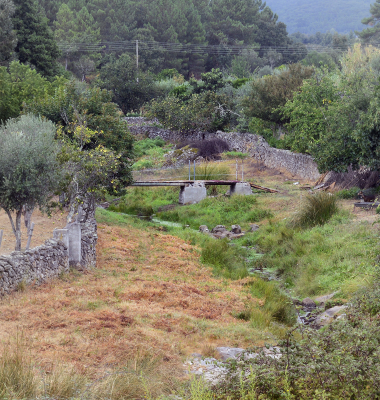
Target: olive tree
29	171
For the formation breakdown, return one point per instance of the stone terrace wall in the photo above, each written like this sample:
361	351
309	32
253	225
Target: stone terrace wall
45	262
298	164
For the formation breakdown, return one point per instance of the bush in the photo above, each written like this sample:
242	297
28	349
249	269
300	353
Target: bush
316	209
338	362
208	149
206	111
351	193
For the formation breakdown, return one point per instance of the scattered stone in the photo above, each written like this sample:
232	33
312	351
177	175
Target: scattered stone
253	227
221	235
219	229
228	352
236	229
322	299
204	229
329	315
308	303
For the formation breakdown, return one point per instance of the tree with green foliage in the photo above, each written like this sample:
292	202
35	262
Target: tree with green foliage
88	173
204	112
20	84
272	91
8	39
29	171
35	42
75	103
334	116
64	31
372	33
72	29
210	81
131	90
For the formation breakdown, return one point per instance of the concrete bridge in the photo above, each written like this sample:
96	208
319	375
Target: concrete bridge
195	191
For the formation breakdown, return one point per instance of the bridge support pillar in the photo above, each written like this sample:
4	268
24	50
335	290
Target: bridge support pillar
240	188
193	193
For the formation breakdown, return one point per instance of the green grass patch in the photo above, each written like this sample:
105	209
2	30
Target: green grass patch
150	153
227	260
146	201
221	210
340	255
231	155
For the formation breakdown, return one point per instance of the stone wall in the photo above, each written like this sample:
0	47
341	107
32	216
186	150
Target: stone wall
45	262
301	165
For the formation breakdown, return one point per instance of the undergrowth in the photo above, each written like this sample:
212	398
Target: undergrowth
338	362
150	153
210	171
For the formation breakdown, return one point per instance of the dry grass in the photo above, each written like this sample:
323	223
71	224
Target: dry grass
43	229
148	294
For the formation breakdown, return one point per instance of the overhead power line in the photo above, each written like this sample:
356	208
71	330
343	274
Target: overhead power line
118	46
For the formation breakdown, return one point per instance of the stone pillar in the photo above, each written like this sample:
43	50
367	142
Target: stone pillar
62	235
75	243
241	188
193	193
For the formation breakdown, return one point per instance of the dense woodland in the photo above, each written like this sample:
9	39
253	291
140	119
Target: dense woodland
251	75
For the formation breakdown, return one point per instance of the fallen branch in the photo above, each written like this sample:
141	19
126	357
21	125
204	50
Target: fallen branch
253	185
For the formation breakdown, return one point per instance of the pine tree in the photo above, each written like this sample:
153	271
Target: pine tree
64	31
7	34
372	33
36	44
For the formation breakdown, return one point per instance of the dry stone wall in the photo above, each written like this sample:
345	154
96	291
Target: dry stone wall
301	165
45	262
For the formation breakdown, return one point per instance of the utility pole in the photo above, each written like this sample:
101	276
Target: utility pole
137	61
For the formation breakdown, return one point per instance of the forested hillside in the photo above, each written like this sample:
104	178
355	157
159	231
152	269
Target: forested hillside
159	22
311	16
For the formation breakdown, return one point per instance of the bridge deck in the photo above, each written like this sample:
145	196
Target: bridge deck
183	183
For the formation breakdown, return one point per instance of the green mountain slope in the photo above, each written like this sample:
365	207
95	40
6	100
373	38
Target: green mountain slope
311	16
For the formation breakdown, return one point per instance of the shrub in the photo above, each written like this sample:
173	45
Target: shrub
351	193
207	111
316	209
338	362
208	149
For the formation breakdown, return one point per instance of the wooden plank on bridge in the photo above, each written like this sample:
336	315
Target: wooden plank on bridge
184	183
